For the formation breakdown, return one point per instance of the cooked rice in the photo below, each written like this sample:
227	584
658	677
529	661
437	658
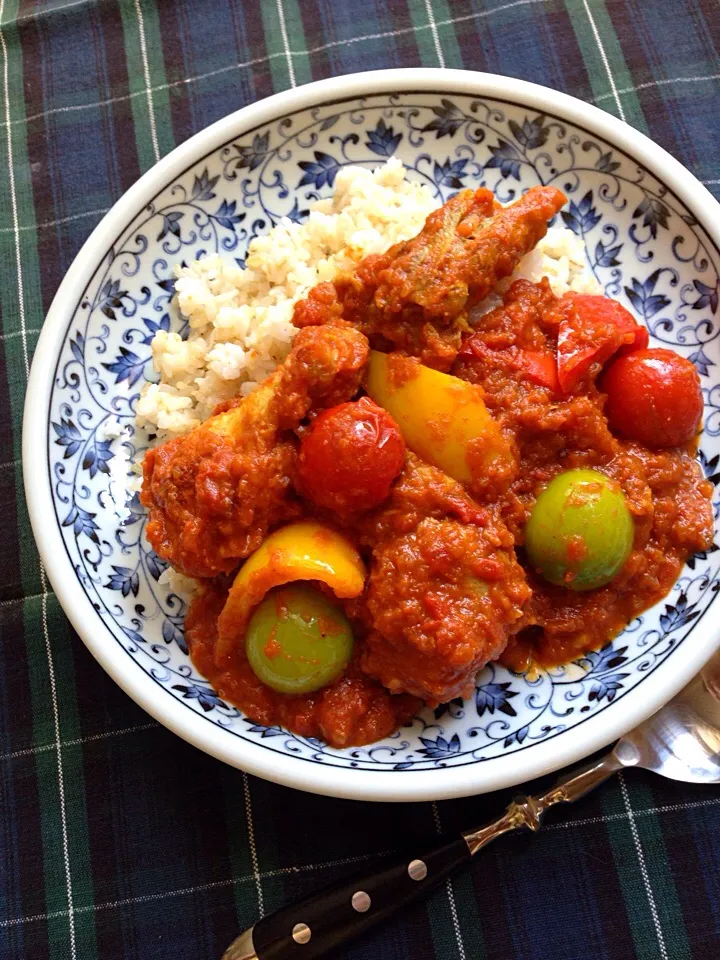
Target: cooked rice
116	433
240	320
177	583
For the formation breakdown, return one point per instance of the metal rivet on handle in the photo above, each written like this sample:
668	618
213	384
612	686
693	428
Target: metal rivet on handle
361	901
417	870
301	933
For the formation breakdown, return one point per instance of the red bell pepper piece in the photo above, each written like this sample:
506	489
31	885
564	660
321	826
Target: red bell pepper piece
537	366
593	329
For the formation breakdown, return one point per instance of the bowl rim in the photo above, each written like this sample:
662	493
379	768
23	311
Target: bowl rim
348	783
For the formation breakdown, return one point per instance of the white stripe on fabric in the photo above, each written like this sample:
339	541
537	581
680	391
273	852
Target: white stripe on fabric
649	811
251	843
15	229
43	579
643	868
18	333
199	888
660	83
435	34
107	735
45	224
148	85
450	891
50	9
605	60
30	596
286	43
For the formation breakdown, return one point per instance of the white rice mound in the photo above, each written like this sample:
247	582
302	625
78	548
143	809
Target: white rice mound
241	319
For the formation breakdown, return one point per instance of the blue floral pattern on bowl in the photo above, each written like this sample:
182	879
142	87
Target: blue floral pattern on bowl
643	246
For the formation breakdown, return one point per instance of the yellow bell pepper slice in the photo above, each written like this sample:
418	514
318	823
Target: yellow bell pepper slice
443	419
300	551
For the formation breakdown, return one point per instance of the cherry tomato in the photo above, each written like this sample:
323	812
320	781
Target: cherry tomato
592	330
654	396
350	457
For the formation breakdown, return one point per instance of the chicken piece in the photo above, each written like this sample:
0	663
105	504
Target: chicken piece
214	493
415	297
445	589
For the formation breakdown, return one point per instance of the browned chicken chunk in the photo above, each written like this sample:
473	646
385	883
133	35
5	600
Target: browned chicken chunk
416	296
214	493
445	588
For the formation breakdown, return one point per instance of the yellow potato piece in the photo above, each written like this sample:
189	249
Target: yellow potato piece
299	551
443	419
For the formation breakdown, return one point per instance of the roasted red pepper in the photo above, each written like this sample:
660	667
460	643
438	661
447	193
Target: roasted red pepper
592	330
537	366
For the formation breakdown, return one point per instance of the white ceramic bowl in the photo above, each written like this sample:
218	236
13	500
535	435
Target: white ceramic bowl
653	239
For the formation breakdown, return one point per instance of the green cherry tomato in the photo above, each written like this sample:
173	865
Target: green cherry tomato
580	532
297	640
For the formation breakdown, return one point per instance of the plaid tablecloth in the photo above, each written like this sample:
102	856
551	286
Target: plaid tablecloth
118	840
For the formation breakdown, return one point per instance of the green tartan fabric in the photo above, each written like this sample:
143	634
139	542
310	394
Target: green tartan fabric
118	840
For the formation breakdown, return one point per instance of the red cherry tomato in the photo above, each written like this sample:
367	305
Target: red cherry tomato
592	330
350	457
654	396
